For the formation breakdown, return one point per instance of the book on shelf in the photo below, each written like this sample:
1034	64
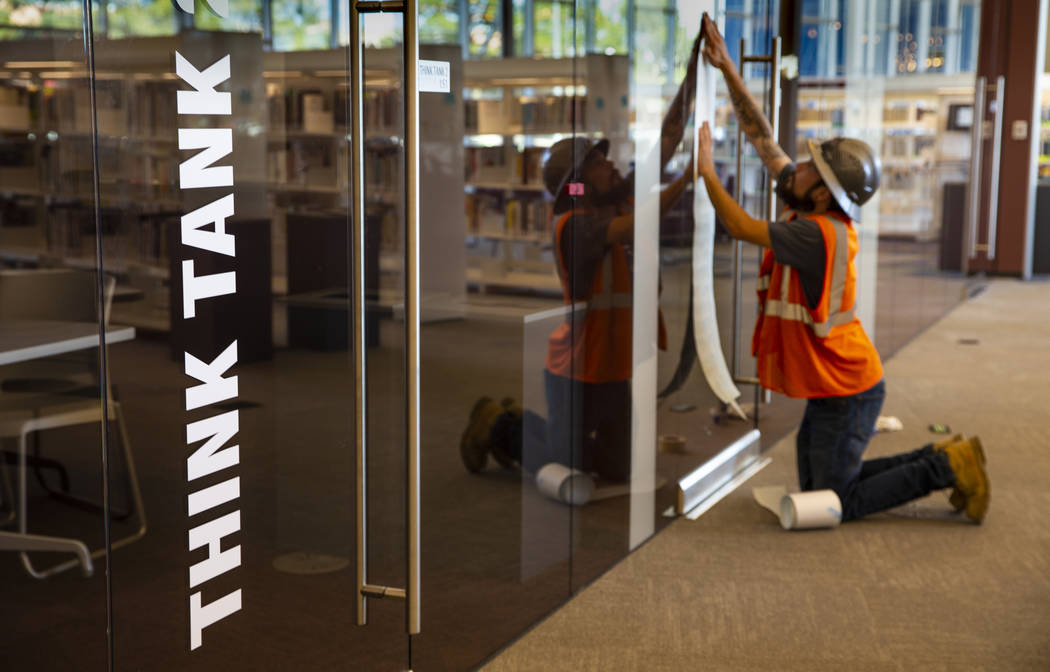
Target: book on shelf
491	165
383	110
531	115
495	214
14	108
486	164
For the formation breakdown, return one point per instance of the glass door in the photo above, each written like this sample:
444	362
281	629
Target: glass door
52	526
497	551
224	140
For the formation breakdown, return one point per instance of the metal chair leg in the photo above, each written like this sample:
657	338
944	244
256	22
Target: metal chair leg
36	542
136	497
8	495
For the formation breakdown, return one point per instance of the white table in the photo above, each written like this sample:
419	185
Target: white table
23	340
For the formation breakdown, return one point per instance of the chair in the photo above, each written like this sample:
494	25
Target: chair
27	408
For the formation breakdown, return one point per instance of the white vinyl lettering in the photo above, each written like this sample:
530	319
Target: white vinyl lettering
215	388
197	172
201	616
209	459
197	287
205	230
204	99
218	562
217	240
213	496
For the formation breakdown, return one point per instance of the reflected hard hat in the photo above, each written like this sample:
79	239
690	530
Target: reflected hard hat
850	169
562	164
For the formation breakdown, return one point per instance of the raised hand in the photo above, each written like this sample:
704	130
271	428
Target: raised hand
705	158
715	51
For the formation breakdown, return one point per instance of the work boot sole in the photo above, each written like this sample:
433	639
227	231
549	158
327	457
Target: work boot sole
977	503
971	479
957	499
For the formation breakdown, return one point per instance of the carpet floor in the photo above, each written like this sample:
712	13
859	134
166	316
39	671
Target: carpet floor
916	588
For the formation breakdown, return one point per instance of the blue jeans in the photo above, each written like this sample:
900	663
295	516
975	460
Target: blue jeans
831	440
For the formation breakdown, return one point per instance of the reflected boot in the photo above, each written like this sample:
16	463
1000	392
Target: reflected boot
476	441
967	462
506	435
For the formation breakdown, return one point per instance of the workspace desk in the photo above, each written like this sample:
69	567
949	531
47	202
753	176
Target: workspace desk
24	340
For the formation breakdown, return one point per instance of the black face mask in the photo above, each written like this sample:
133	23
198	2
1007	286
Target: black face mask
786	192
614	196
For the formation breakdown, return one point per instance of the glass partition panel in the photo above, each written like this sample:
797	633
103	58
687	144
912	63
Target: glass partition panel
52	478
496	548
900	76
225	157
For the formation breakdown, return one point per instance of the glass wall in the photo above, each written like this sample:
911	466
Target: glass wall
51	410
896	74
191	185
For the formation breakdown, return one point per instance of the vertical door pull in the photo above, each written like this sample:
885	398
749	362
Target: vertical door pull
973	191
997	150
411	593
774	61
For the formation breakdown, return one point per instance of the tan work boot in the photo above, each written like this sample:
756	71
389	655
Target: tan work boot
507	435
957	498
476	441
967	462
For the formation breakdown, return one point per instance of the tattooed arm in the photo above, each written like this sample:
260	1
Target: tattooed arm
748	114
673	127
738	223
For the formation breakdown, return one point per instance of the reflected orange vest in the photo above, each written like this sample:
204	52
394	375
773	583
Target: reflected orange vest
594	343
821	352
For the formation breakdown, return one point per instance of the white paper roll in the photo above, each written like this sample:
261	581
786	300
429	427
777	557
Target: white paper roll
705	315
800	510
810	510
569	486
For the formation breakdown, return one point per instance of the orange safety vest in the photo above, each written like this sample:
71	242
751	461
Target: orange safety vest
594	344
819	352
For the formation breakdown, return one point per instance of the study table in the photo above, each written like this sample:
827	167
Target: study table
25	340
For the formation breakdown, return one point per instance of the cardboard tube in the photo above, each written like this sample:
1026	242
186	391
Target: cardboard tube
810	510
569	486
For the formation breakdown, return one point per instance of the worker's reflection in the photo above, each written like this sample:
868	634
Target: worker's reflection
589	358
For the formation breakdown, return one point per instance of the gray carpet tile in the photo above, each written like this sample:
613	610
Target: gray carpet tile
918	587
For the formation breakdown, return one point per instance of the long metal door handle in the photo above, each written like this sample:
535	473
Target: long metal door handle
738	247
773	60
997	149
771	204
357	245
774	117
365	590
412	312
973	191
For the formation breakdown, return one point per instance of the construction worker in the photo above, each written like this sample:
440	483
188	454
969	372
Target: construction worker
807	340
589	358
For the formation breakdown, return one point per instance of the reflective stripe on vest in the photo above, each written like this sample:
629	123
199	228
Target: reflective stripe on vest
607	298
785	310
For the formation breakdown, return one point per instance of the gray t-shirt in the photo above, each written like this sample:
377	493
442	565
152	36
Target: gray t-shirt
582	246
798	243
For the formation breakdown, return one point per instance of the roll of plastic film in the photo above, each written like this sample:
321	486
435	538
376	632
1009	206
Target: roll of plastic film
810	510
569	486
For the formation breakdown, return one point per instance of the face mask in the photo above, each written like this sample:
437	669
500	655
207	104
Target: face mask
616	195
785	191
